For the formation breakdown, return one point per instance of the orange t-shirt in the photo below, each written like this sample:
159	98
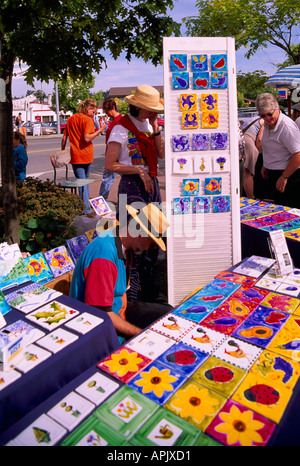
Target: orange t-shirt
78	125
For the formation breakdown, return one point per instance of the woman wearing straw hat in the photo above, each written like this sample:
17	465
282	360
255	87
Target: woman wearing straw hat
133	149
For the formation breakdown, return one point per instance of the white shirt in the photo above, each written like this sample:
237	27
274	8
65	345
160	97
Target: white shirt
298	122
280	143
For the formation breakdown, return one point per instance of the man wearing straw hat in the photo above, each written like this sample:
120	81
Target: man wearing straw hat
133	149
100	278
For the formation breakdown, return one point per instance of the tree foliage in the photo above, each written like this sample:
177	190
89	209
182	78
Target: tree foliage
72	92
253	23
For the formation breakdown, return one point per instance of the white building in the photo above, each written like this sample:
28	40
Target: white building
32	110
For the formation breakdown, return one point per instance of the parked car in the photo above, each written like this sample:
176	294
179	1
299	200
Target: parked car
63	124
161	123
246	114
45	128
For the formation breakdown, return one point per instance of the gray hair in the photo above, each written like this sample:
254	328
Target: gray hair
266	102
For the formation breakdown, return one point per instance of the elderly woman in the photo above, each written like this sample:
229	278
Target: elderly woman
280	146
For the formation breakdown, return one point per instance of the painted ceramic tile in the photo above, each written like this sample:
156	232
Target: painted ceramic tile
213	185
295	234
293	277
221	321
52	315
225	427
271	317
181	143
181	205
91	234
125	411
221	164
165	429
201	204
287	288
210	119
268	284
200	80
219	79
200	141
219	62
209	102
59	261
31	297
202	163
31	357
42	432
38	269
180	80
216	292
219	141
255	333
199	62
238	352
285	226
192	310
268	400
178	62
196	404
84	323
188	102
190	187
124	364
13	270
71	410
97	388
182	165
250	296
270	220
221	204
150	344
172	326
287	340
281	302
275	368
157	382
236	307
219	376
236	278
57	340
76	246
206	441
190	120
182	358
4	306
8	377
19	328
254	266
100	206
204	339
94	433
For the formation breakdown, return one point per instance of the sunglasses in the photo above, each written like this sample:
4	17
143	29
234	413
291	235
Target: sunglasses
264	115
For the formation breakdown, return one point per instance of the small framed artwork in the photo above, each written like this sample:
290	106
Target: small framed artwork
182	165
202	164
210	119
219	79
100	206
178	62
190	187
219	62
219	141
181	143
213	186
190	120
188	102
180	80
199	63
221	204
201	204
221	163
209	101
201	80
182	205
200	141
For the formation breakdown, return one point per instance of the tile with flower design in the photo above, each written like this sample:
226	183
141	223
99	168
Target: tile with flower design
238	352
237	425
269	400
276	368
182	164
219	376
157	382
188	102
281	302
204	339
173	326
196	404
221	164
124	364
182	358
125	411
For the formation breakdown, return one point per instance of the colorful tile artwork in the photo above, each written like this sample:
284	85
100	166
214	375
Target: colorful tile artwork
210	119
201	204
213	185
188	102
190	120
200	141
38	269
182	205
182	165
180	143
59	261
199	62
190	187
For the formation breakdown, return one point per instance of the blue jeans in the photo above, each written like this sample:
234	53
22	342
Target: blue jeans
82	171
108	179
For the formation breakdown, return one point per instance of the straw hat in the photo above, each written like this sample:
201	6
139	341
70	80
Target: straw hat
146	97
152	220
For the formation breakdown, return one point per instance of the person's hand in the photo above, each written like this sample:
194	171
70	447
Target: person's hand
264	173
146	178
281	184
153	122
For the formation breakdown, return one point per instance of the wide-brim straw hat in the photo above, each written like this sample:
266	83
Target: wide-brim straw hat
146	97
153	222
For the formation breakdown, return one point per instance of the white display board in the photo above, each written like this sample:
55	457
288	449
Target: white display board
202	161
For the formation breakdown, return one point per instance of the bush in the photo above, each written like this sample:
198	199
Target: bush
45	214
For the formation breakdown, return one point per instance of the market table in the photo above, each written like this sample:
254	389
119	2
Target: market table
48	377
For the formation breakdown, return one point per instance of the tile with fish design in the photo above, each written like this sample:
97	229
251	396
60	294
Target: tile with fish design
237	425
38	268
238	352
182	164
213	186
182	358
190	120
219	376
210	119
157	382
173	326
180	80
202	163
188	102
204	339
199	62
59	261
190	187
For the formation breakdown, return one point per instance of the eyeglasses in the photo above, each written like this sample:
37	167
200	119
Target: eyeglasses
264	115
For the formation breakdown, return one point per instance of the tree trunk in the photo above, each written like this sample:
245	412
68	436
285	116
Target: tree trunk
9	194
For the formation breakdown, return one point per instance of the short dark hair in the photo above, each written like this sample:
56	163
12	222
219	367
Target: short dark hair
133	111
109	104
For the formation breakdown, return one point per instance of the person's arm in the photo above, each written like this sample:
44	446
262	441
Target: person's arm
292	166
88	137
64	140
122	327
158	139
259	136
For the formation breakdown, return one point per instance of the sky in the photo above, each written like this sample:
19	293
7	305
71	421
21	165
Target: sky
120	73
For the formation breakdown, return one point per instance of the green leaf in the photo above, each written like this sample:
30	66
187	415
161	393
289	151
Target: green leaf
25	234
33	223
